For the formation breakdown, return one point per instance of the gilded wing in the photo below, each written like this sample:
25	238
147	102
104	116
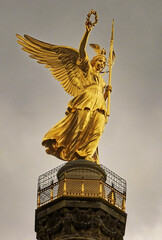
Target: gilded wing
60	59
97	48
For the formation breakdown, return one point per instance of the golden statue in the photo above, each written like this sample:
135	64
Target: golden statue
77	135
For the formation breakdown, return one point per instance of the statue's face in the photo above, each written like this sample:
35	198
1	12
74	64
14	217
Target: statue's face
99	64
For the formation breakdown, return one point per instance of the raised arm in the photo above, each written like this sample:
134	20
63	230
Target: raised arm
82	51
89	25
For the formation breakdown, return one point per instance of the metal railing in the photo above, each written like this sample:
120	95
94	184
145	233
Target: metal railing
47	178
87	188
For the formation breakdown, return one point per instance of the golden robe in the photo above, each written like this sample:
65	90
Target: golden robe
77	135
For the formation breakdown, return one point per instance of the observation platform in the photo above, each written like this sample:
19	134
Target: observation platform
82	182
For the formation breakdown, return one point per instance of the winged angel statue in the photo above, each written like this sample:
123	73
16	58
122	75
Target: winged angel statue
77	135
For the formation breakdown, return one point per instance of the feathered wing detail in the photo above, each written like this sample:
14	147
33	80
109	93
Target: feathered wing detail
60	59
97	48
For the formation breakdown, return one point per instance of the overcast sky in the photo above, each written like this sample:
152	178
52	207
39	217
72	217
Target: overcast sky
32	101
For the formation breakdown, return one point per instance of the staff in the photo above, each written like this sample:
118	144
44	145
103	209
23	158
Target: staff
110	63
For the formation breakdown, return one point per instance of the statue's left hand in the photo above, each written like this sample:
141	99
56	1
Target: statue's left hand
108	88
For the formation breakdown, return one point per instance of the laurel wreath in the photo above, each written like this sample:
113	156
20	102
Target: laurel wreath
89	23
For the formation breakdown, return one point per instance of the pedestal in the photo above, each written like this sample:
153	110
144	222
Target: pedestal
81	212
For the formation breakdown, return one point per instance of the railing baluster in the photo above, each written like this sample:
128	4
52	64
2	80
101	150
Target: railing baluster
38	199
64	187
112	195
123	203
52	185
82	188
100	188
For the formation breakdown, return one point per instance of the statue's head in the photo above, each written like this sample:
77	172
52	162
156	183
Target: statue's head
98	62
